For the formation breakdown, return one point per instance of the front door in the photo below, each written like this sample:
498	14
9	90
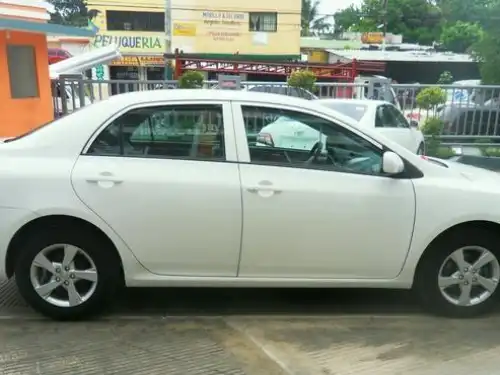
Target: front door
158	176
330	214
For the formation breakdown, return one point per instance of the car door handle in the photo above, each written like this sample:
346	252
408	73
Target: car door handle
263	186
104	177
256	189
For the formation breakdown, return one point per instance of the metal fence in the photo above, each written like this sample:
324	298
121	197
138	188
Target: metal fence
471	114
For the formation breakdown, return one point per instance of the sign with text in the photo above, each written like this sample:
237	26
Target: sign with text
132	42
184	29
139	61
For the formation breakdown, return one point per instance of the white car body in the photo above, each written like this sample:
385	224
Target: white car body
290	134
177	222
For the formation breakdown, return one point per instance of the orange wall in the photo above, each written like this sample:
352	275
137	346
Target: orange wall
21	115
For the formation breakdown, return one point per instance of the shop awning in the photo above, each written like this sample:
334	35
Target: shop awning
45	28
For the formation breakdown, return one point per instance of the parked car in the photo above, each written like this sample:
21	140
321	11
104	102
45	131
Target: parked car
297	92
284	90
163	188
384	117
470	120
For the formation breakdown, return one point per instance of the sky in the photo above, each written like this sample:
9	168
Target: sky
332	6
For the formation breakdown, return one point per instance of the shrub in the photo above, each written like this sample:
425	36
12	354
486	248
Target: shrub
432	127
445	78
191	80
430	97
304	79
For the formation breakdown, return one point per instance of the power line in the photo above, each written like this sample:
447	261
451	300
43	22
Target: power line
202	9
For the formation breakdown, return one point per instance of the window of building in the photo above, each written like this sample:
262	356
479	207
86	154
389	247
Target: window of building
178	132
117	20
23	77
264	22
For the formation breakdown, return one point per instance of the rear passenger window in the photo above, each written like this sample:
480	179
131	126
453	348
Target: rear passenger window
183	131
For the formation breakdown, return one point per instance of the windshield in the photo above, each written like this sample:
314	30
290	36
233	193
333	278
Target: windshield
353	110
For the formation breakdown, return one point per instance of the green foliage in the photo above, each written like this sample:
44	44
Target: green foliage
445	78
418	20
430	97
460	36
487	54
191	79
71	12
347	19
432	127
442	152
304	79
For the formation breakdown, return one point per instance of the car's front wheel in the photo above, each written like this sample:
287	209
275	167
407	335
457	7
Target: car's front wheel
459	274
67	274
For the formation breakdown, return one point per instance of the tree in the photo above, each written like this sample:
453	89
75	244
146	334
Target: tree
71	12
487	50
460	36
311	20
419	21
471	11
347	19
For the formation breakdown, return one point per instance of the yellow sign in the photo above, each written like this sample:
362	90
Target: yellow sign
372	38
184	29
139	61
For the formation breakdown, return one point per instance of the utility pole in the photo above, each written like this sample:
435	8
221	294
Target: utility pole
384	7
168	38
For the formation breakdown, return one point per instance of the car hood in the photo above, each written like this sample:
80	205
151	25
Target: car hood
469	172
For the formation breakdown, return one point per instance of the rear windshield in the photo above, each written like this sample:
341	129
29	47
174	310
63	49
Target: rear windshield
352	110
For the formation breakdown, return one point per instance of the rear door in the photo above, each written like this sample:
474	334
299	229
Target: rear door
395	127
164	177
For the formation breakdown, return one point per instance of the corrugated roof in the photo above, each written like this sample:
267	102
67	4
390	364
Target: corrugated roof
417	56
325	44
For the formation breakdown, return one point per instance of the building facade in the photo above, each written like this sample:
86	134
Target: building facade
212	28
137	27
257	29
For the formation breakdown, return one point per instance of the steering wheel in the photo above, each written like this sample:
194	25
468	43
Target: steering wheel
314	153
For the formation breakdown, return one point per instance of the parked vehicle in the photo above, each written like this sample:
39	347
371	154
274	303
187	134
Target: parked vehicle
163	188
470	120
384	117
284	90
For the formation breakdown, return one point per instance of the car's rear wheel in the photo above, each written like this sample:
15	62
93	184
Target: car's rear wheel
66	276
459	274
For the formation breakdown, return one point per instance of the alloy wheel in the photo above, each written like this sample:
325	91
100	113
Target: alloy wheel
63	275
469	276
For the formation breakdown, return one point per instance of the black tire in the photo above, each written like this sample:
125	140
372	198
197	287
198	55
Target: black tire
426	278
421	149
106	263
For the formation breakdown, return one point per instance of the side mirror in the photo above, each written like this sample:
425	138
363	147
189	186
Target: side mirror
413	124
392	163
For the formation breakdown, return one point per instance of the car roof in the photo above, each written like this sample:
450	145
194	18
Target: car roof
202	94
367	102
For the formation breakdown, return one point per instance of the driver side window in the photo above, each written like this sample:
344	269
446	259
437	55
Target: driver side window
296	139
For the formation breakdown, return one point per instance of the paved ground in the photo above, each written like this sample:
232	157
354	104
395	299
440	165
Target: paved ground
261	332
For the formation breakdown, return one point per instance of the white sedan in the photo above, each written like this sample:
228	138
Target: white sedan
386	118
167	188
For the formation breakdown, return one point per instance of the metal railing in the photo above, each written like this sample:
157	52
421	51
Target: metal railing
471	114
